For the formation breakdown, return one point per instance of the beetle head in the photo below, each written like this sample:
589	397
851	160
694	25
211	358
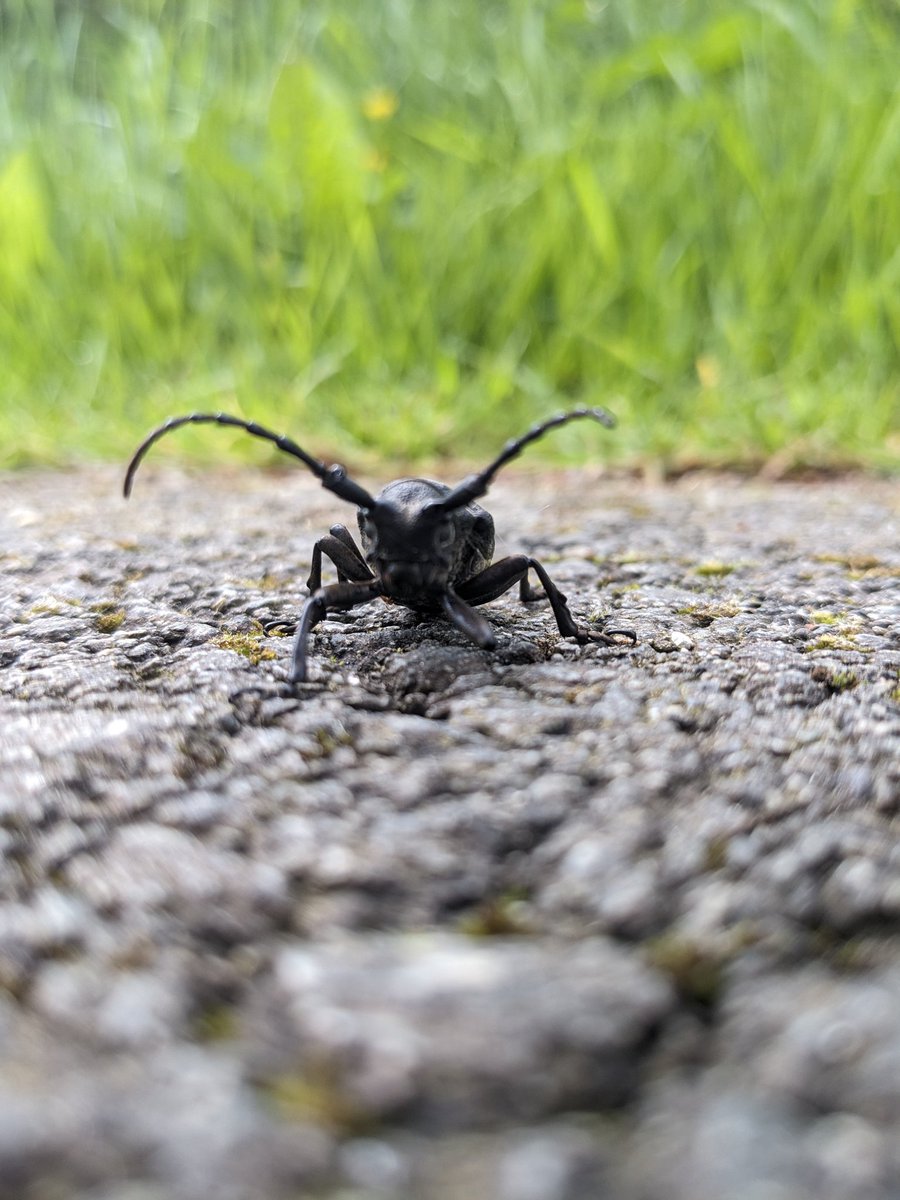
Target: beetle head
409	540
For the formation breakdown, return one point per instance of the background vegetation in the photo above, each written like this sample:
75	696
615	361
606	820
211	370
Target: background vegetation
404	228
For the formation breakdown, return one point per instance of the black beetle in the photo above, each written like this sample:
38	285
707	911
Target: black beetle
426	545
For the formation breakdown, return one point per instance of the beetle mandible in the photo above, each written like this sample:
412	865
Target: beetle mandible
426	545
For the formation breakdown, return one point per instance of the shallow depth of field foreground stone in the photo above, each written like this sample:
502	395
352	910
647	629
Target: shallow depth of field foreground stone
547	923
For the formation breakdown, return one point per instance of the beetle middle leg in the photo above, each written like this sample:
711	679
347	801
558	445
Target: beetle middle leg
498	578
339	546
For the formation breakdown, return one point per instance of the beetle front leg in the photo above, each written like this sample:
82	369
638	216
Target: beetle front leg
467	620
338	546
335	595
498	578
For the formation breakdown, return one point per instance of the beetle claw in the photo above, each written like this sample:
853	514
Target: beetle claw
278	628
607	637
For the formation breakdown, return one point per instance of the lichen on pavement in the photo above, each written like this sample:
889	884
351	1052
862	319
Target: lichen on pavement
545	923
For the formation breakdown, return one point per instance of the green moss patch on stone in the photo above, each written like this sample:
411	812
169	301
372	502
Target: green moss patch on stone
316	1096
821	617
498	916
833	641
704	614
246	644
835	680
714	569
109	621
696	972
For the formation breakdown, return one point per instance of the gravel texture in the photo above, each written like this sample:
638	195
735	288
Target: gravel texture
546	923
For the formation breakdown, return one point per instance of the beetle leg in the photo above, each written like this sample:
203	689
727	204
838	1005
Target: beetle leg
467	620
339	546
498	578
334	595
343	534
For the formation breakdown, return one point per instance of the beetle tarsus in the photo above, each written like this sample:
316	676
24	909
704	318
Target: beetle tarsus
278	628
606	637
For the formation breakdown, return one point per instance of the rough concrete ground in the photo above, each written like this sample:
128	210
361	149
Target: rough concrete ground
548	923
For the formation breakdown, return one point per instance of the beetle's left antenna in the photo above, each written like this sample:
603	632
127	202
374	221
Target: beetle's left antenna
334	478
476	485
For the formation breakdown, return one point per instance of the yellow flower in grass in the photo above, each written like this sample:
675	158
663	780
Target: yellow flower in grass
375	161
380	104
708	371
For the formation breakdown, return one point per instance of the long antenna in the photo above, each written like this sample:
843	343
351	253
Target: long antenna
476	485
333	478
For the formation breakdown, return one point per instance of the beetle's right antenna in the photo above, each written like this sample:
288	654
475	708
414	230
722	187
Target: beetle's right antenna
333	478
476	485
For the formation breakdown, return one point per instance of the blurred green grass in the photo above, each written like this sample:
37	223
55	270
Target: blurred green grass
408	229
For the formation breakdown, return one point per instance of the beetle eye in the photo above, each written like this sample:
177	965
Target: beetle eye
443	535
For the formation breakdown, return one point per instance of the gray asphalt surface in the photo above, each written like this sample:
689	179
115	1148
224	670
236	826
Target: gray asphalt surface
548	923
